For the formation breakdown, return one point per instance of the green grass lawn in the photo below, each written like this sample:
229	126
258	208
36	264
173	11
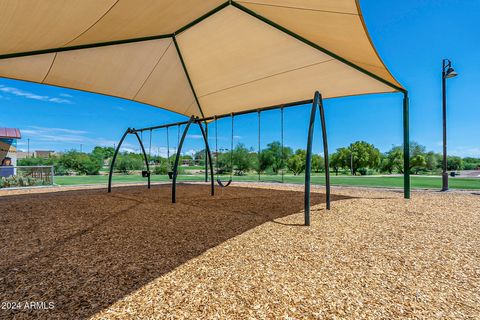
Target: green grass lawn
419	182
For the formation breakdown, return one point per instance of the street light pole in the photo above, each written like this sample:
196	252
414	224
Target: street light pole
447	72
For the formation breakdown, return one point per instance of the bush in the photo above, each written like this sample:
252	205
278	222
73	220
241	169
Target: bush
16	181
81	163
362	171
160	169
128	162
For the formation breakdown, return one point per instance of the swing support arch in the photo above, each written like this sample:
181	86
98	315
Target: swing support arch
117	150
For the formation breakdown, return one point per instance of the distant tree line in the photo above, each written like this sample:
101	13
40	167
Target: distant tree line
359	158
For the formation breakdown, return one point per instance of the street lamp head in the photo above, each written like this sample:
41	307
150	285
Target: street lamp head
451	73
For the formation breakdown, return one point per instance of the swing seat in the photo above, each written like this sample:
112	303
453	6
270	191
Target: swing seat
224	185
170	175
145	173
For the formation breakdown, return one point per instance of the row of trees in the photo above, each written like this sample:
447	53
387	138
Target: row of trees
71	162
272	160
359	158
362	157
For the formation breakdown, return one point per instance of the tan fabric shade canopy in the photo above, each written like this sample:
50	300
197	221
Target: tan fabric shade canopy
194	57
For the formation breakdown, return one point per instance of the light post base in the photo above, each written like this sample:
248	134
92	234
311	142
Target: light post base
444	181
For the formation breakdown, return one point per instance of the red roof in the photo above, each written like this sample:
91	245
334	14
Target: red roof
10	133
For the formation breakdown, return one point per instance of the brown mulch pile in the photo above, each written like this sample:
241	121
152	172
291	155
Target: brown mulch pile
241	254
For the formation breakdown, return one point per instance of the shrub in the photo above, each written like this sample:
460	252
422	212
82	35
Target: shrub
16	181
127	163
81	163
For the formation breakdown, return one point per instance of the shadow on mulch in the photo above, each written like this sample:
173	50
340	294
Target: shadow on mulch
84	250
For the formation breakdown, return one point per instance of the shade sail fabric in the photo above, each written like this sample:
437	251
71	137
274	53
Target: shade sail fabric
337	26
231	60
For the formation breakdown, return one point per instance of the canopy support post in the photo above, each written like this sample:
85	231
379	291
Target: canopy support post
209	155
144	156
325	151
112	164
308	161
406	147
207	152
317	101
177	158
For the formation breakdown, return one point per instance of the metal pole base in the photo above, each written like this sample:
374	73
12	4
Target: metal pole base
445	181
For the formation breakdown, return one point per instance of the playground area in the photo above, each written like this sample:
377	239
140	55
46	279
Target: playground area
244	253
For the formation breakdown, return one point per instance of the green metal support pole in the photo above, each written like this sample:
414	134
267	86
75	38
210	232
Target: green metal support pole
177	159
206	152
259	146
144	156
325	151
308	160
208	156
406	147
112	164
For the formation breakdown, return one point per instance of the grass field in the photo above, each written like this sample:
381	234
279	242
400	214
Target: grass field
419	182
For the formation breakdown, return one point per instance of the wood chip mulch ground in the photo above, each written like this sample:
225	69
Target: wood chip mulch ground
242	254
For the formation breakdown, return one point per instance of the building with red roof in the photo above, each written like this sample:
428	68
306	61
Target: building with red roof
8	150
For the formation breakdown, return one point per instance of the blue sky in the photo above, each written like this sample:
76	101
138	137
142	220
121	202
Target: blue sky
412	36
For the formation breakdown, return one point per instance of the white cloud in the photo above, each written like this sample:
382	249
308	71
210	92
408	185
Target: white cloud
61	130
49	137
63	135
33	96
195	136
190	152
463	151
66	95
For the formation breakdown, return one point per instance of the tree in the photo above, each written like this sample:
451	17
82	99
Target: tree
335	162
161	166
359	154
274	157
103	153
393	161
418	163
432	162
470	163
127	162
81	163
223	162
199	157
454	163
318	163
340	159
419	159
416	149
267	160
242	162
297	162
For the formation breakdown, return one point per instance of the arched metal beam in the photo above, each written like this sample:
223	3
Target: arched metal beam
177	159
144	156
206	153
325	151
317	101
209	154
112	164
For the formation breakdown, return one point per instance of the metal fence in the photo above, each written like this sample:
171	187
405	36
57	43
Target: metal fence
26	176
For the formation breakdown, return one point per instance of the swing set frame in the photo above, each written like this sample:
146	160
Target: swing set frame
316	102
